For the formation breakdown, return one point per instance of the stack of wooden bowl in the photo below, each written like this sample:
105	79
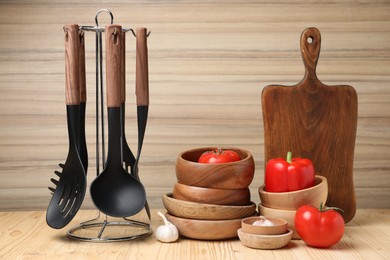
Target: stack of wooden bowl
285	204
210	200
272	235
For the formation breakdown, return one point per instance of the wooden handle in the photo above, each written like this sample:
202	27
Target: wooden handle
82	81
141	71
123	67
113	65
72	92
310	50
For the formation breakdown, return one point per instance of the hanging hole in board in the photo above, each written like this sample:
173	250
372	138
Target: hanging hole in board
310	40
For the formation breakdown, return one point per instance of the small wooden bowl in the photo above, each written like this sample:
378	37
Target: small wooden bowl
279	227
288	215
193	210
265	241
292	200
232	175
206	229
212	196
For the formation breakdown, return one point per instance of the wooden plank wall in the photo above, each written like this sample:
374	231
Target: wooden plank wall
209	61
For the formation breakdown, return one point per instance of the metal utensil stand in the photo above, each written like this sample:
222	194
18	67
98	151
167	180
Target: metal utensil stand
92	230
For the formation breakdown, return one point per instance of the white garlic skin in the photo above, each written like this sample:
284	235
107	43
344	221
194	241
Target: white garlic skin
263	222
167	233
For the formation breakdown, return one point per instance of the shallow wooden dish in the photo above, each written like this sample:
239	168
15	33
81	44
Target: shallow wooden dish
279	227
288	215
211	196
193	210
206	229
292	200
265	241
233	175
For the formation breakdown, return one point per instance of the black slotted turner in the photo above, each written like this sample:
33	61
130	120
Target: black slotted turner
71	186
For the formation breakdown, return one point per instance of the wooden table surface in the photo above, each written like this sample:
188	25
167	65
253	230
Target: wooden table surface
208	62
25	235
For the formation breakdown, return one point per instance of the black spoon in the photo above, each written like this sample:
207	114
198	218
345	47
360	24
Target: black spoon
115	192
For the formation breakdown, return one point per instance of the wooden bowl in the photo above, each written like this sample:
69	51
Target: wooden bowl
292	200
206	229
233	175
193	210
279	226
212	196
288	215
265	241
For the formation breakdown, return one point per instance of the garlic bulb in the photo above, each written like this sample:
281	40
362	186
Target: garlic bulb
263	222
168	232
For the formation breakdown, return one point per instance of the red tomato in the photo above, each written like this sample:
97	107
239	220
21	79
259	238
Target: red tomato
233	155
219	156
319	228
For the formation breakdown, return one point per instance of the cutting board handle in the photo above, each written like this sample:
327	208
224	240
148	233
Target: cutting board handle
310	50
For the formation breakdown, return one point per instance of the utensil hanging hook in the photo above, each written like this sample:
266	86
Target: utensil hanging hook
103	10
132	31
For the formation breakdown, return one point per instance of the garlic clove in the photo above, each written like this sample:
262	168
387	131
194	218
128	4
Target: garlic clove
168	232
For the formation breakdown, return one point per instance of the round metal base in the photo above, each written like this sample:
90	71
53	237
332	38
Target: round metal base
115	231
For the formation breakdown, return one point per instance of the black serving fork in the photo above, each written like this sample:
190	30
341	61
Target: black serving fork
128	156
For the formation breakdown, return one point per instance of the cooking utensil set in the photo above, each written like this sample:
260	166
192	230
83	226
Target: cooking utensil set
318	122
117	190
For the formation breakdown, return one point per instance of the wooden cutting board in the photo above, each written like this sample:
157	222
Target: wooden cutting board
315	121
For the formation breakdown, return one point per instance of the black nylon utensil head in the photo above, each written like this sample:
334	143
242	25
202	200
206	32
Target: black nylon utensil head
115	192
71	186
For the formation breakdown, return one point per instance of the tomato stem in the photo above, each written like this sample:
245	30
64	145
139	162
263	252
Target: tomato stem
289	157
219	151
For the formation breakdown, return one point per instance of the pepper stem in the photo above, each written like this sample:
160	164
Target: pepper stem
289	157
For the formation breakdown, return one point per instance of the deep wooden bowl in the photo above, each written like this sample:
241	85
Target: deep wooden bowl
288	215
279	226
206	229
211	196
233	175
193	210
265	241
292	200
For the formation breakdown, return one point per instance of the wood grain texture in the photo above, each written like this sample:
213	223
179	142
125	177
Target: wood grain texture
82	79
142	68
72	66
208	63
234	175
114	65
206	229
202	211
315	121
123	67
25	235
237	197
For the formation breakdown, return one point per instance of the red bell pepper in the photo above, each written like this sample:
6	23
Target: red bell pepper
288	175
